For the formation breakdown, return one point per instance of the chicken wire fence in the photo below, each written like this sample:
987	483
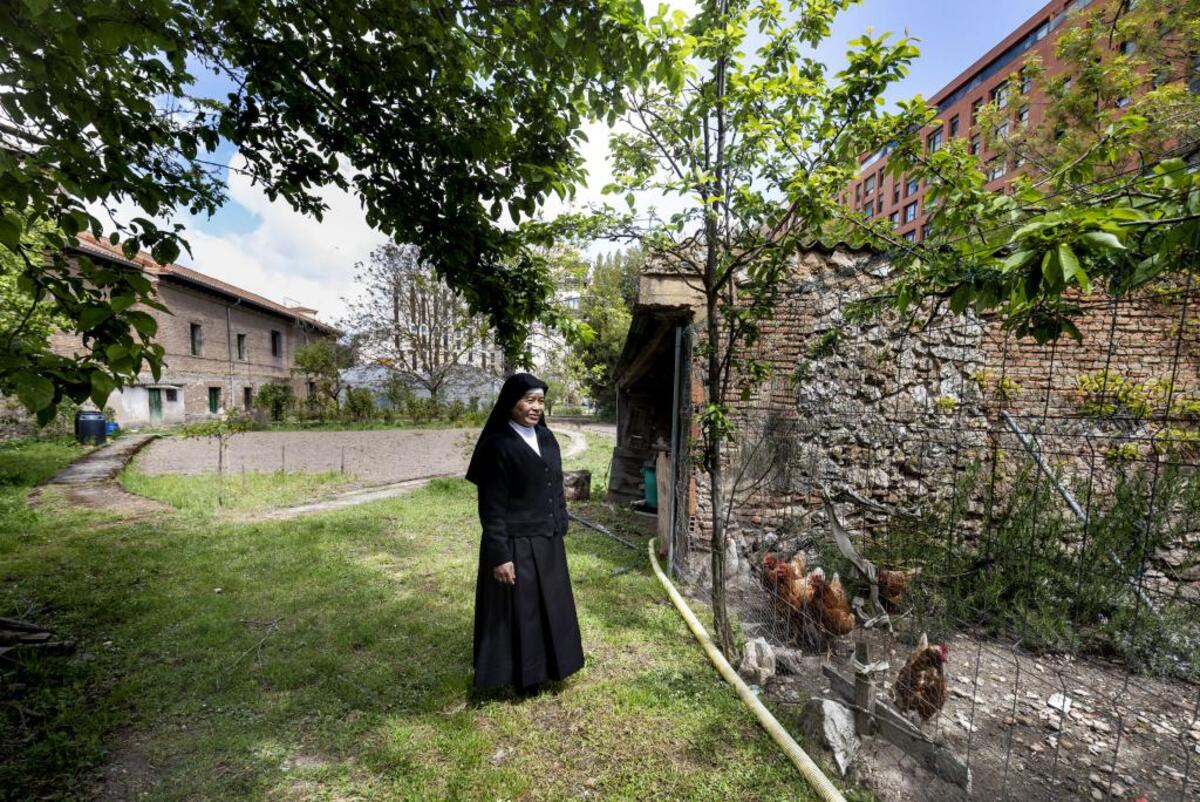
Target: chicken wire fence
1043	505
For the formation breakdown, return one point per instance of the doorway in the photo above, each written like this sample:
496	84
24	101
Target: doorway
155	406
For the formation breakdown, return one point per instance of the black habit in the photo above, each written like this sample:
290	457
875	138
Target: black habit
525	633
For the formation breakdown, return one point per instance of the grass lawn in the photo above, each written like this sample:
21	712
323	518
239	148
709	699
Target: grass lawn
328	658
235	492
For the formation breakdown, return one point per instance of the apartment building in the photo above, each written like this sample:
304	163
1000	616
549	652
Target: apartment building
222	343
990	79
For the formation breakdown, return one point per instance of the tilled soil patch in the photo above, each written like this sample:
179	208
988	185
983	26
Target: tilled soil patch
375	457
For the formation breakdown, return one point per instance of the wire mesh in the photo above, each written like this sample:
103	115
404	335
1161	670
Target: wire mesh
1047	500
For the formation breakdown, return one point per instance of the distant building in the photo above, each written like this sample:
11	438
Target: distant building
463	383
222	344
989	80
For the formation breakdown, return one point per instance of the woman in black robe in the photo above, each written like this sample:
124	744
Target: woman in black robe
526	630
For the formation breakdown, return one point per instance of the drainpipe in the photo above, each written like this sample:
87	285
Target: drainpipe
229	347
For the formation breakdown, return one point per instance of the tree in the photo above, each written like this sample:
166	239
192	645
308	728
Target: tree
757	148
606	306
274	398
322	363
441	115
1108	196
411	322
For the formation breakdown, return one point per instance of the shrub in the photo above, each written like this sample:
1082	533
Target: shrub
359	405
274	399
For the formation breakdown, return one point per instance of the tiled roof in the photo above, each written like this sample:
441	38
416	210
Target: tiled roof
143	261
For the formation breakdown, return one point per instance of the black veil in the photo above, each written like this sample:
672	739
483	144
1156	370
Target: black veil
515	387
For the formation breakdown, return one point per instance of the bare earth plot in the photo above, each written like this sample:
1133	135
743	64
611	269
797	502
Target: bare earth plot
374	457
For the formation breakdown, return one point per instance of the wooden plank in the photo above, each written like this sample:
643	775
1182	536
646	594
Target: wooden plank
864	691
13	623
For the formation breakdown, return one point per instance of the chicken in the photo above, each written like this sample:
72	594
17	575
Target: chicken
921	684
830	608
893	585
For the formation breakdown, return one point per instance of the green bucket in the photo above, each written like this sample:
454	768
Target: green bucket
650	480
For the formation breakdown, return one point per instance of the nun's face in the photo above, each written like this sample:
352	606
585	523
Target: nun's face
528	410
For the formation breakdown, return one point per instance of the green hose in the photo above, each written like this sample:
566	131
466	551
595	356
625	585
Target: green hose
810	771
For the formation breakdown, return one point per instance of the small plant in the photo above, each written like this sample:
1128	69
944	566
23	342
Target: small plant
1177	443
1186	408
826	345
802	373
1126	452
946	403
1004	388
1106	393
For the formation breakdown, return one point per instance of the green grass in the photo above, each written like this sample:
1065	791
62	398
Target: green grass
328	658
596	458
238	492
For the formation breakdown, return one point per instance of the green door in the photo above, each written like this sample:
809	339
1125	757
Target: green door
155	406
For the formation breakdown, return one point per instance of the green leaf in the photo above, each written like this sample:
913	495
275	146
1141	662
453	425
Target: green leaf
145	325
36	392
1103	240
102	388
93	316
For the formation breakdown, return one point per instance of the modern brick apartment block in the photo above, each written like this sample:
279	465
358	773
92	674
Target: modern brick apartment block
222	343
989	80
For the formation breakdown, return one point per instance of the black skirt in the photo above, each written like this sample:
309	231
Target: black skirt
527	633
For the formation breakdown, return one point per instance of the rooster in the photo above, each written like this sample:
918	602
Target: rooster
830	608
893	585
921	684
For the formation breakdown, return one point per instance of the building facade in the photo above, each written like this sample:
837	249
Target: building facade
222	344
990	80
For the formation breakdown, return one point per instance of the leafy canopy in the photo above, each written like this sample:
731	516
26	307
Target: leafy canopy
1107	198
451	120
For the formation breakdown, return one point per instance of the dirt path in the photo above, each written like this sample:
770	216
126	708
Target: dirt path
91	480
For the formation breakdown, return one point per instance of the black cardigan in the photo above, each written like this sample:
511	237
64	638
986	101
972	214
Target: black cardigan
520	493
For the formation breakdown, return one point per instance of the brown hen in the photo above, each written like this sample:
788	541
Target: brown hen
921	684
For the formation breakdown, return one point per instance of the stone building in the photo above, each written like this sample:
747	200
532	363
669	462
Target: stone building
222	344
896	416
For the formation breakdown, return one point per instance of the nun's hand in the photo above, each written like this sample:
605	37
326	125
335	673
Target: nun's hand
505	574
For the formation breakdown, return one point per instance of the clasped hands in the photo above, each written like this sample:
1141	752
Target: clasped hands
506	574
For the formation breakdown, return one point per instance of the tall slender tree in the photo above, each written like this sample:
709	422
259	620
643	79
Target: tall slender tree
409	320
756	145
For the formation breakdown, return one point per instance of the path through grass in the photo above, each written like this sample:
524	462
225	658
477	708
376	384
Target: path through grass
328	658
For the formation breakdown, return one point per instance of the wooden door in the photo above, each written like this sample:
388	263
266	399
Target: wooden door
155	406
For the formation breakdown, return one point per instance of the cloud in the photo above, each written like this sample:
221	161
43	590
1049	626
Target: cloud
287	256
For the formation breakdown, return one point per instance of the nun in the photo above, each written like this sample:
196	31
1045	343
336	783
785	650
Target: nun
526	630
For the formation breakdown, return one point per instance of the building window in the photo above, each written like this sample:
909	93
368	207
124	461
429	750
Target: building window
247	397
911	236
954	126
869	210
214	400
1023	115
896	191
311	389
996	168
241	346
1122	101
276	343
976	144
1000	96
934	141
869	185
975	107
1001	131
911	187
910	212
172	395
894	218
925	229
857	192
1128	48
879	206
197	339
